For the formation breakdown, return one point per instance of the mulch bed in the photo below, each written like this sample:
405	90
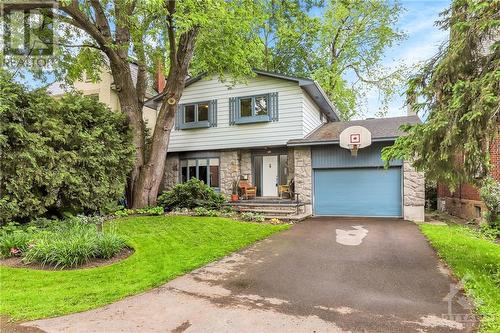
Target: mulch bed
17	263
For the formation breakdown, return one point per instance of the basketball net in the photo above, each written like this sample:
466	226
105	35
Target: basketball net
354	150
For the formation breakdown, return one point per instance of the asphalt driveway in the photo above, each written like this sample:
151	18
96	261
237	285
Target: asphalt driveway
322	275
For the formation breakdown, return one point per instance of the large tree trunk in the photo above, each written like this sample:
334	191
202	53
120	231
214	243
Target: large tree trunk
129	105
148	183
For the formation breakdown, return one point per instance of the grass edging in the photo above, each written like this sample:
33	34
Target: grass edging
476	262
165	247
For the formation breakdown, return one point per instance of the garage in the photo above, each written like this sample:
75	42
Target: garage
358	192
345	185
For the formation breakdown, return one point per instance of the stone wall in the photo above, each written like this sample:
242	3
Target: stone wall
246	164
303	175
291	165
413	193
171	172
229	170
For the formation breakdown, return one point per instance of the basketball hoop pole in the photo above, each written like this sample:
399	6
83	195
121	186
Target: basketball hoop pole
354	150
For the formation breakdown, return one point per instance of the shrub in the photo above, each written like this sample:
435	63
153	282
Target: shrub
252	217
71	242
108	245
201	211
14	243
490	194
59	155
158	210
191	194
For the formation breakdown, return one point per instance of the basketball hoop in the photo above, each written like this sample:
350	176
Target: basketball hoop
355	138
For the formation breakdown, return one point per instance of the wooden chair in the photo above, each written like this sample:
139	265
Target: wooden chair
247	190
286	189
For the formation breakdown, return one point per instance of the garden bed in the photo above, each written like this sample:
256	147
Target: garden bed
16	262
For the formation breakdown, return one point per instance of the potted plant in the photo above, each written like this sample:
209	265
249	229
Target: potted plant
234	195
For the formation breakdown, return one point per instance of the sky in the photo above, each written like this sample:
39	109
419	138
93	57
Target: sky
423	40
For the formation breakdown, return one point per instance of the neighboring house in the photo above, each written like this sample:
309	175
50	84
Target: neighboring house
465	202
276	128
104	91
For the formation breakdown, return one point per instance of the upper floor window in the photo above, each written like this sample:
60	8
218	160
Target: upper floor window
253	109
196	115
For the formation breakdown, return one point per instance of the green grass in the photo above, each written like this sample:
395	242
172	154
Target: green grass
165	247
475	260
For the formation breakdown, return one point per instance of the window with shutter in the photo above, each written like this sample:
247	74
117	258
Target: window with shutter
197	115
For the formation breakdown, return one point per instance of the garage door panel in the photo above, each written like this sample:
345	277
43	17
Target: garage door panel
357	192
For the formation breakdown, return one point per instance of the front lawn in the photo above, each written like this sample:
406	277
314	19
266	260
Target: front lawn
165	247
477	262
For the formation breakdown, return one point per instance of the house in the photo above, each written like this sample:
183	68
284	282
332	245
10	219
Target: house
465	201
276	128
104	91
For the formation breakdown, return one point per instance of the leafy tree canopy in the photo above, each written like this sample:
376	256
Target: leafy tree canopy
340	44
67	155
459	89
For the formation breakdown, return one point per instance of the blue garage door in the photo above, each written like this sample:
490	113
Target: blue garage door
358	192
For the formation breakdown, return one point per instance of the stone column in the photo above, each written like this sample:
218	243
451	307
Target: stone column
291	164
413	193
171	173
229	170
246	165
303	176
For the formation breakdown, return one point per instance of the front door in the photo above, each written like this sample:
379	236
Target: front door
269	176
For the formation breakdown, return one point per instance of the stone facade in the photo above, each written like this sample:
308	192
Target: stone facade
171	172
303	175
413	193
229	170
246	165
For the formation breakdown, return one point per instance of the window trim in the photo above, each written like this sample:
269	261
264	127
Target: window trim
198	170
254	118
196	123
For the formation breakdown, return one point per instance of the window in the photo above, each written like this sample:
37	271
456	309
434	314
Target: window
204	169
253	109
196	115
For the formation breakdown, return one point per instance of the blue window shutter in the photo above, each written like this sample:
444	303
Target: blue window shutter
212	113
273	106
232	110
179	116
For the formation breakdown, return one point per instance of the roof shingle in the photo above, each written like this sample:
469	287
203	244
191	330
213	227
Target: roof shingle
380	128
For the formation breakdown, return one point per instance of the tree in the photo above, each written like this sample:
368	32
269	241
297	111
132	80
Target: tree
217	35
458	88
346	42
68	155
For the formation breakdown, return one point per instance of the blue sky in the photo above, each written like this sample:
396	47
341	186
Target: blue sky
422	43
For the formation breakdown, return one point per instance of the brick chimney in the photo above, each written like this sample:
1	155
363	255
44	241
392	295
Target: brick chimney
160	78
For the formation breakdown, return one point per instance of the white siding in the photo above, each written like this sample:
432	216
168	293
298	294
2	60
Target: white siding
289	126
311	115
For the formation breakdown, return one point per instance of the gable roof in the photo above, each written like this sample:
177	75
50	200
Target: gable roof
311	87
382	129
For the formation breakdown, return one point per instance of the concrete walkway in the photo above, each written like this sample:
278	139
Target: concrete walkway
323	275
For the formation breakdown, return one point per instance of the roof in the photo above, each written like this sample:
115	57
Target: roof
382	129
311	87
